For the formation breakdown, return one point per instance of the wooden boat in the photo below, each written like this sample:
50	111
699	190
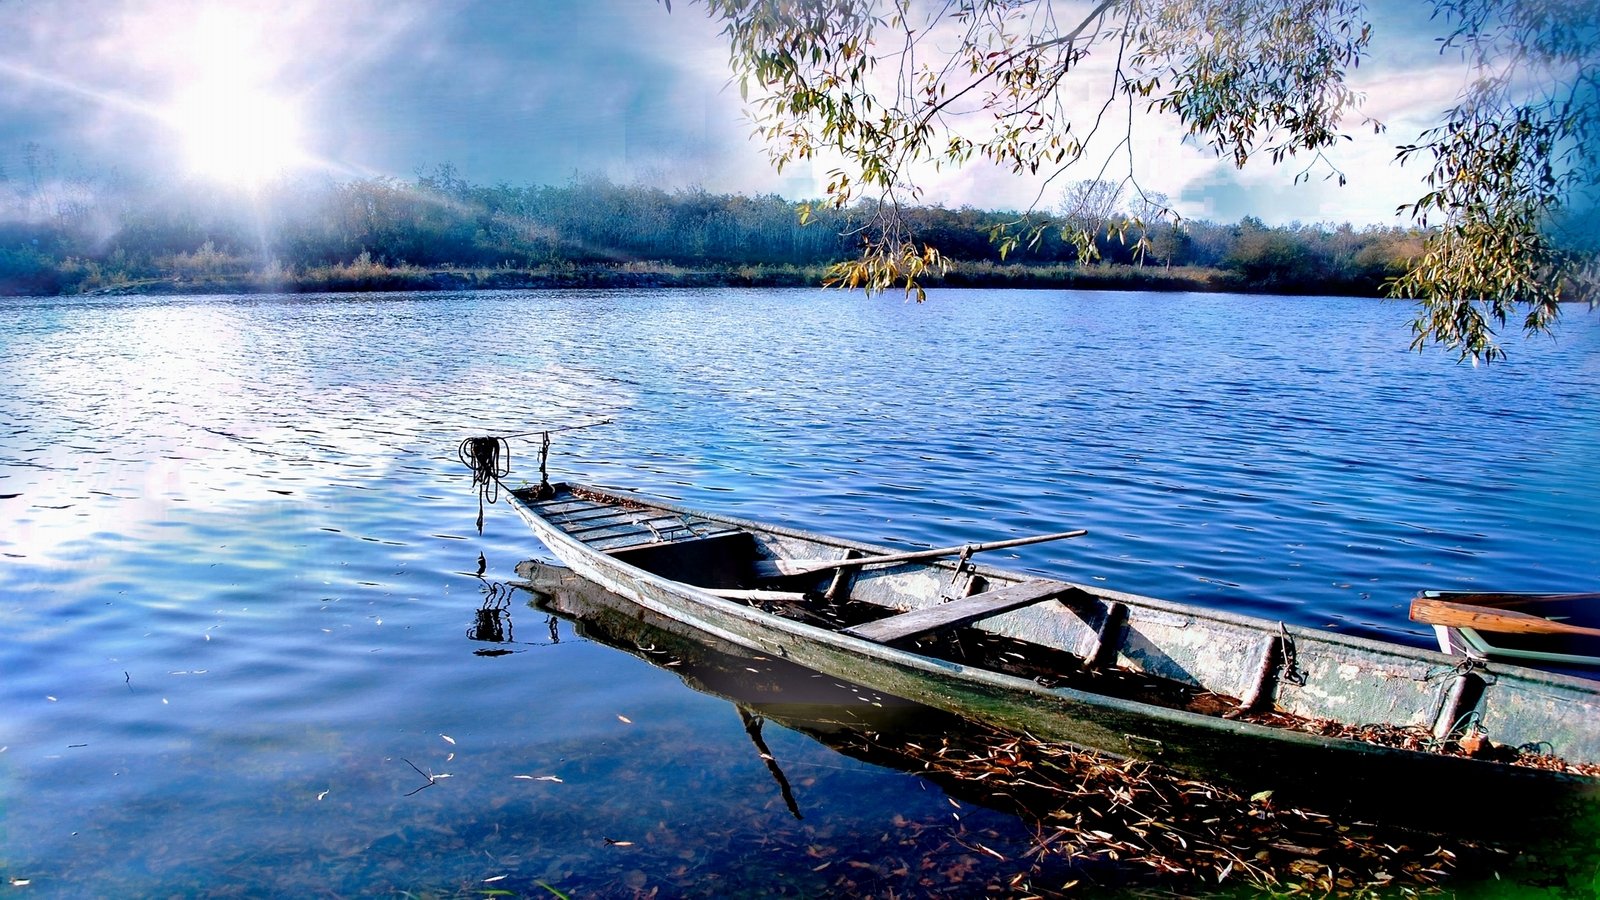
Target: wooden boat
1075	792
1537	629
1264	705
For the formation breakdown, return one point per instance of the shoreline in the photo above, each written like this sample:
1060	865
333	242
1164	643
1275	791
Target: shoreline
377	278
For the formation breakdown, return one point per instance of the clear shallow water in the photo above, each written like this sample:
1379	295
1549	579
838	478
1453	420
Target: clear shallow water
236	549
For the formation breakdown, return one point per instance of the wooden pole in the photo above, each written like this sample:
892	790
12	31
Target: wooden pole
808	566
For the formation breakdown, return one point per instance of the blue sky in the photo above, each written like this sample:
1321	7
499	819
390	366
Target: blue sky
535	91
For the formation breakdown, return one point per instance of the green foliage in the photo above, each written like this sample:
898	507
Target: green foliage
888	87
1508	162
1247	74
25	270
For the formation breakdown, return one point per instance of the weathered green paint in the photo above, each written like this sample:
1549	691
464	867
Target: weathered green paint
1291	669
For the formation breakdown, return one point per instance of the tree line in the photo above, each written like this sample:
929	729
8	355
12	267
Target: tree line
63	236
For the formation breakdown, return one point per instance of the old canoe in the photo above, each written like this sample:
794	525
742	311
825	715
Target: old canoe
1266	706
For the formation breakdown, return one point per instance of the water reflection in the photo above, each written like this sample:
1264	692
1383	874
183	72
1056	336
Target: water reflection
752	726
492	624
238	562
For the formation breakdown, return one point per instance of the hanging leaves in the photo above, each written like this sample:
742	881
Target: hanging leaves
892	89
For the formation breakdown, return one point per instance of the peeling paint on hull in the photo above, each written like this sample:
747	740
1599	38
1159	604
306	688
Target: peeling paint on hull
1291	670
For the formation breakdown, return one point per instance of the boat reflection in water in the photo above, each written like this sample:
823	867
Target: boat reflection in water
1089	809
760	687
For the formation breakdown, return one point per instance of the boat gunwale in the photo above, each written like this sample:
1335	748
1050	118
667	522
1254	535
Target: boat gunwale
1015	685
1259	624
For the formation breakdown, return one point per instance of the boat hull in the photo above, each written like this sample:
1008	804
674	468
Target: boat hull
1295	765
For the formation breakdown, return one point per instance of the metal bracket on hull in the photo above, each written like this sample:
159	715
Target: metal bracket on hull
842	577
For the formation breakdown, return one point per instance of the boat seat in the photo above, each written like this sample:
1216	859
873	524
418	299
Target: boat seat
955	613
656	532
719	560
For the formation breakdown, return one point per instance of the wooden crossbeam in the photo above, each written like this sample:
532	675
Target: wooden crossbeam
956	613
775	568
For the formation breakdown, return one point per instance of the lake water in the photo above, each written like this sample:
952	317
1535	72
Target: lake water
238	558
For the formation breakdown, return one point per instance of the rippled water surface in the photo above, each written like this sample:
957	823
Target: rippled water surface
238	559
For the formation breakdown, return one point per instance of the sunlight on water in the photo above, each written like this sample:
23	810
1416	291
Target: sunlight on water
237	553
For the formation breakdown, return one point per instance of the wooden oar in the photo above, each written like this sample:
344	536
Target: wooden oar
1433	611
776	567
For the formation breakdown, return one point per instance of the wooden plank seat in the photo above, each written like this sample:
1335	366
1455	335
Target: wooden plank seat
654	534
614	528
586	515
640	535
955	613
563	505
758	595
630	519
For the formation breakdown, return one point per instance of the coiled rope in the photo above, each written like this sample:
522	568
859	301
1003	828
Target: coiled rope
489	458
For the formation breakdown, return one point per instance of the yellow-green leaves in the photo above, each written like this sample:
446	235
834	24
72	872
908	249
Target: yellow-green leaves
1506	166
881	266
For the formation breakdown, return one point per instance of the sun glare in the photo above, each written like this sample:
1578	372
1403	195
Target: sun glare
233	125
242	137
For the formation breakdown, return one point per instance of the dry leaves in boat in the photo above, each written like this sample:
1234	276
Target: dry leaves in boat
1476	744
1090	809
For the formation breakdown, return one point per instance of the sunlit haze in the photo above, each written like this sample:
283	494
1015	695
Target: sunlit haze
241	93
238	139
233	127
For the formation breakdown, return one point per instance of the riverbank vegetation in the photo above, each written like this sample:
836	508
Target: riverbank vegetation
439	232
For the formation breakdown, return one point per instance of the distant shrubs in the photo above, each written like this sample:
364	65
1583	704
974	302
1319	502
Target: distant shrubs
360	274
440	232
25	270
1099	277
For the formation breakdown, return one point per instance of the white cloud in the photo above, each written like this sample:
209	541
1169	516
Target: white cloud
531	92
